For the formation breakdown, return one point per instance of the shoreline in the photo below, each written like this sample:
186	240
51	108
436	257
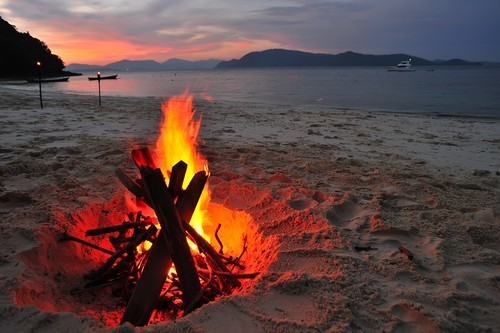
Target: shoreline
6	89
290	90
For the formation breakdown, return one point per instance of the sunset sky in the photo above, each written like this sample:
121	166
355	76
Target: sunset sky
103	31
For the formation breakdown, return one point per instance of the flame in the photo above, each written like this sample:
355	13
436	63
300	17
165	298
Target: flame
178	140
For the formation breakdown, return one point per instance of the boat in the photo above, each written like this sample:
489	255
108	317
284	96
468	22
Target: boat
49	79
109	77
403	66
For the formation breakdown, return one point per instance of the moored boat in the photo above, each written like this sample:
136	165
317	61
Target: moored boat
403	66
49	79
108	77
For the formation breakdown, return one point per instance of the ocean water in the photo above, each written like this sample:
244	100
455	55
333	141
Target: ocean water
470	91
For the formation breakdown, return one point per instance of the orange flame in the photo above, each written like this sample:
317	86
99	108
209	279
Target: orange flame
178	141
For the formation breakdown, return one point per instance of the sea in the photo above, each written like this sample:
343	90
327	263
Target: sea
454	91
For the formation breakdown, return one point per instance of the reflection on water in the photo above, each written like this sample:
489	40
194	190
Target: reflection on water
451	90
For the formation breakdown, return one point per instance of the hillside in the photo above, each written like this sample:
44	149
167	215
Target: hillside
292	58
21	51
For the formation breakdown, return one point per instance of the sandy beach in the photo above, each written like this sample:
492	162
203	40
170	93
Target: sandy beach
358	222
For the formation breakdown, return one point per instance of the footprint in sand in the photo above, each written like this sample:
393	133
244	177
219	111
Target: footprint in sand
298	200
302	204
346	214
12	200
411	319
423	250
485	230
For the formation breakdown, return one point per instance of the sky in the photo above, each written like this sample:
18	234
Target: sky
103	31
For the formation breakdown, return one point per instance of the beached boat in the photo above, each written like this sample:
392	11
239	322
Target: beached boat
109	77
403	66
49	79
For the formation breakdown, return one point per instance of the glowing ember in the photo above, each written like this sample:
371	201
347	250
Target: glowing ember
178	141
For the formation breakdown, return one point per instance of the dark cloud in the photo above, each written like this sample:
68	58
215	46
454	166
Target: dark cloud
431	29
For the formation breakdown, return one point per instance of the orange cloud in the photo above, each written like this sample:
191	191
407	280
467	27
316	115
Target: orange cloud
101	45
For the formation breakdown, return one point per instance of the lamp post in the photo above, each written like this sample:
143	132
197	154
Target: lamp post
99	86
39	69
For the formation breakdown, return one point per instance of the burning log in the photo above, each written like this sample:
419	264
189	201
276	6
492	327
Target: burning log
174	234
114	228
149	280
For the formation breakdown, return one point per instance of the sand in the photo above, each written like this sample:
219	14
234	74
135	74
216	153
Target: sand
333	199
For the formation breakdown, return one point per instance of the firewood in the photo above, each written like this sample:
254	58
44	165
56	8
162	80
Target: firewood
177	178
171	246
235	275
142	157
188	199
213	257
130	246
148	289
65	237
114	228
187	202
115	273
218	239
146	293
131	185
173	232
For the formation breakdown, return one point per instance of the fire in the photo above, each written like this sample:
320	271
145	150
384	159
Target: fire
178	140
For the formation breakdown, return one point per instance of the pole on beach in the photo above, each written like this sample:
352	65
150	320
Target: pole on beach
39	68
99	86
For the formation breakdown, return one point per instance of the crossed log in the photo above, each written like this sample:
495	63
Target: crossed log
171	246
145	274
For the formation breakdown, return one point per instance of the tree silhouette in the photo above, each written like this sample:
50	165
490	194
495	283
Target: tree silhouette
20	52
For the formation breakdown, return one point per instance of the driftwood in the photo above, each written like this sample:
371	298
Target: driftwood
406	252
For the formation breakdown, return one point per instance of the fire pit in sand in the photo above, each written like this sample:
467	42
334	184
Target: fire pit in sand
160	261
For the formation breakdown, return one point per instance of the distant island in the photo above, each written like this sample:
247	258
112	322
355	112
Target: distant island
21	52
147	65
273	58
293	58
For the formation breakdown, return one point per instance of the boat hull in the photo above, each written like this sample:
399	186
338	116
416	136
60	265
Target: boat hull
395	69
48	80
109	77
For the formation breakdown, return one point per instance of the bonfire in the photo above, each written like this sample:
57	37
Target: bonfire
163	257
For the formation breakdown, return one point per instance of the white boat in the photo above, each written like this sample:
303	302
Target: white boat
403	66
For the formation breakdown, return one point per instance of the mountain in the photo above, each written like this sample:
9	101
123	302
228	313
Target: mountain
173	64
147	65
292	58
21	51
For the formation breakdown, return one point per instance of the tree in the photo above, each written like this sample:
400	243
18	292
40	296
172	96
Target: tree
20	53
